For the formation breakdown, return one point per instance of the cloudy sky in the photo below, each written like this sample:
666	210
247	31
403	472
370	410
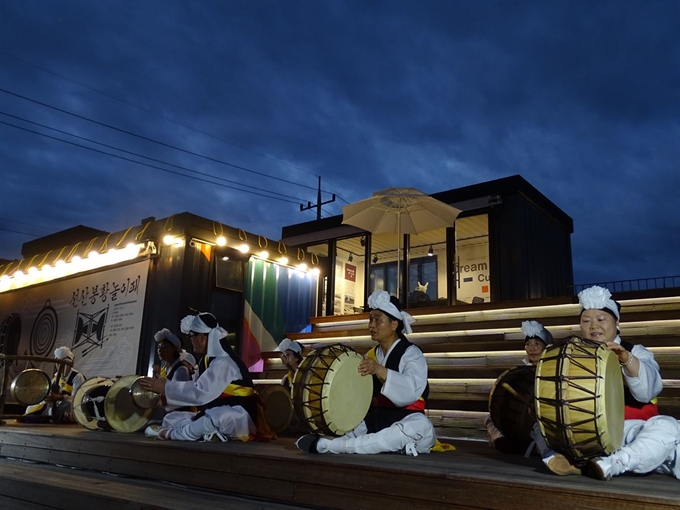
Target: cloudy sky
260	98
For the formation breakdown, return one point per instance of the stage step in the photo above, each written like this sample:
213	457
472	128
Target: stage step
25	485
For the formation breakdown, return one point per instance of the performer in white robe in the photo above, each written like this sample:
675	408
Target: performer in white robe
395	421
650	441
221	388
536	340
57	406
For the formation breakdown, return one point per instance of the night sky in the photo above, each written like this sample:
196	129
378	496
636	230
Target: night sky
259	98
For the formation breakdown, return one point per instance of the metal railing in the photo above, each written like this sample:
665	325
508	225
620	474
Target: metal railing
659	282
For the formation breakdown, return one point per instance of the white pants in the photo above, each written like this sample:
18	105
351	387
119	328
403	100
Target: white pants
413	434
233	422
648	446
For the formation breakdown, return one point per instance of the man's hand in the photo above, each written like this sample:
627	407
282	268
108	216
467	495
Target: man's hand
369	367
54	397
155	385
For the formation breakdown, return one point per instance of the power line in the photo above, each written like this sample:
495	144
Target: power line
144	164
18	232
142	137
168	119
145	157
24	223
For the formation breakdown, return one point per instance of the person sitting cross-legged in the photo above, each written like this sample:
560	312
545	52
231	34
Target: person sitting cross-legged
395	421
221	388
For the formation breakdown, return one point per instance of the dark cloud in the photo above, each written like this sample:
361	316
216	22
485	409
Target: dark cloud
578	97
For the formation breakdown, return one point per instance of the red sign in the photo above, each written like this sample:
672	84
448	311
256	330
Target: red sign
350	272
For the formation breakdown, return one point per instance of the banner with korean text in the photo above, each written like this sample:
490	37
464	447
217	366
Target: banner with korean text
97	315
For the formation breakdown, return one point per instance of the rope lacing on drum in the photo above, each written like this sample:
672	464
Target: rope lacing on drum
96	400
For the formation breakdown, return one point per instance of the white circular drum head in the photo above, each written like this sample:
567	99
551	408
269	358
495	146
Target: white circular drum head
346	394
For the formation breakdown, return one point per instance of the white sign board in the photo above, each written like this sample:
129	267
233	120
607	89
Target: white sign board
98	316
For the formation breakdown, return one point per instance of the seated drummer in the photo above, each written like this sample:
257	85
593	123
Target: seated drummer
291	356
221	388
395	421
536	339
650	441
169	350
57	406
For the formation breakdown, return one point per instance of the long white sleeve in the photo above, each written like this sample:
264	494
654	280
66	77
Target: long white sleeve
403	388
204	388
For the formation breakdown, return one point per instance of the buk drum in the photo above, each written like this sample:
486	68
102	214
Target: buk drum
329	395
510	403
278	406
88	403
579	399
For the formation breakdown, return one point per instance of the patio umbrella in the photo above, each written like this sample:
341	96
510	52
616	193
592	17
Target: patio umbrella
399	211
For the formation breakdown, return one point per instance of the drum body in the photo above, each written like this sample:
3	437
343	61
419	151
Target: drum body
579	399
278	406
509	413
88	403
329	395
30	387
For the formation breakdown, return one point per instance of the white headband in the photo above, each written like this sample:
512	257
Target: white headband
194	323
598	298
380	300
166	334
63	353
534	329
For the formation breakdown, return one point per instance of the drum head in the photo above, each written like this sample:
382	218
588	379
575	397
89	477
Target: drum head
610	410
329	394
30	387
121	412
84	403
346	395
278	407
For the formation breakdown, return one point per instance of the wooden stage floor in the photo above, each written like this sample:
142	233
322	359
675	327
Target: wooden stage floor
163	474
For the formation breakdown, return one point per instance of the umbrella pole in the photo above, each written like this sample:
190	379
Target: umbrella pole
399	255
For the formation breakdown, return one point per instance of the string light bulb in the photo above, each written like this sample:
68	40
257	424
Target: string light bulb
375	258
430	252
351	257
221	241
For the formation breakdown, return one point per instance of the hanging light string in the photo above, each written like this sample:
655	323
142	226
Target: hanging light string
140	234
169	223
120	241
214	224
103	247
42	262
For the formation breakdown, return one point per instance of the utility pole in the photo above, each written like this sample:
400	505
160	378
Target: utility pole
318	204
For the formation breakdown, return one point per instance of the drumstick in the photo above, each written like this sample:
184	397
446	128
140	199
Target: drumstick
514	393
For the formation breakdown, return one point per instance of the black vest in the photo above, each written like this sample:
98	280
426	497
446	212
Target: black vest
381	417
